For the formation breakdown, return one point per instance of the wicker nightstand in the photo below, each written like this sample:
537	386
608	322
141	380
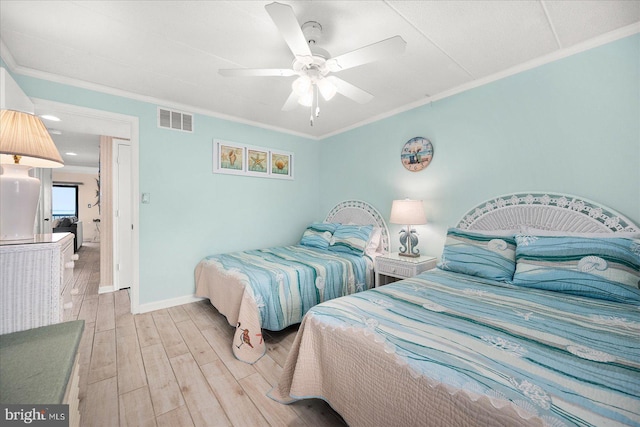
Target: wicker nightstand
400	267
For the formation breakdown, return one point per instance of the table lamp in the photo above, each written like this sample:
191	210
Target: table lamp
408	212
24	143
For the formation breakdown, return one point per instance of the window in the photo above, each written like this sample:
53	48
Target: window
64	200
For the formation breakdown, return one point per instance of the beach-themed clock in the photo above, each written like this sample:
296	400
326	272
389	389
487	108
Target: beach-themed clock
416	154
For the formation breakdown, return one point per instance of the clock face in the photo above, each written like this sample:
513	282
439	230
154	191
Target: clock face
416	154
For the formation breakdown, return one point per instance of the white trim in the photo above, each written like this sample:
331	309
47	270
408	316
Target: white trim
7	57
554	56
105	289
167	303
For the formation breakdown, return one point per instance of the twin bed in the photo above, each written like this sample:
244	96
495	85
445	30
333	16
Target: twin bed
273	288
532	318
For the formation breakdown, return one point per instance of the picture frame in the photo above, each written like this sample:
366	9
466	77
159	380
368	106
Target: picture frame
258	161
281	164
229	158
233	158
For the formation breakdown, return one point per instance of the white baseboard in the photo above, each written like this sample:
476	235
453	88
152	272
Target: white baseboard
158	305
105	289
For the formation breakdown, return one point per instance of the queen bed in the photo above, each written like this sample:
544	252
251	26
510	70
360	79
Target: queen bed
532	318
273	288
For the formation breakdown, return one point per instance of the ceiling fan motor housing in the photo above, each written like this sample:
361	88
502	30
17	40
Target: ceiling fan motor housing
312	31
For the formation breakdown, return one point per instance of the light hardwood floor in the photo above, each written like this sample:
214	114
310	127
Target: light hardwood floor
174	367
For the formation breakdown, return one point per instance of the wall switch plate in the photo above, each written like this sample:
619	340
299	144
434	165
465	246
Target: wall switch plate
146	198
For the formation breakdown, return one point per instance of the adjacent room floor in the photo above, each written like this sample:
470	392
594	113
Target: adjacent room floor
174	367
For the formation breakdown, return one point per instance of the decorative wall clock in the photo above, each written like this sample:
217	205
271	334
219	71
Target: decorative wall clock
416	154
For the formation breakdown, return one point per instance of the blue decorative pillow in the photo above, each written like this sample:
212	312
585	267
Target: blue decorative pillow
482	254
318	235
604	268
351	239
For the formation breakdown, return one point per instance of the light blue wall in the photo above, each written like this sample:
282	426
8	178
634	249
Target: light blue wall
571	126
193	212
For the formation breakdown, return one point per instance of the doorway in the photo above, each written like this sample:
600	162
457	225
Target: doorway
99	123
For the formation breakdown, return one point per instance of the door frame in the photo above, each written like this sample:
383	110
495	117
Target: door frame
119	126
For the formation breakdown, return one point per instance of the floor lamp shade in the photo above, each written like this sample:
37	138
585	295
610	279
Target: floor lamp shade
24	143
408	212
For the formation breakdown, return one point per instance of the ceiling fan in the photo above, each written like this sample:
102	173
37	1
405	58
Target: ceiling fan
314	65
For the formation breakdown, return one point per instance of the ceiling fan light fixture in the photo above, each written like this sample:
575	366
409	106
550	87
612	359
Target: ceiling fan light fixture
306	99
302	85
327	89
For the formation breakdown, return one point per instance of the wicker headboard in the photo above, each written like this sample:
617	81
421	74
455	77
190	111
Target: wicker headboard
359	212
546	211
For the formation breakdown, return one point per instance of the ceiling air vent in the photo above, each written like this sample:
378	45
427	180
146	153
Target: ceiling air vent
177	120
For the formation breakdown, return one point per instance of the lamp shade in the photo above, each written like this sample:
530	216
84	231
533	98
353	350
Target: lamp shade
25	135
408	212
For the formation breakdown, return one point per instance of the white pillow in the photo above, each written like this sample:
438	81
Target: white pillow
374	242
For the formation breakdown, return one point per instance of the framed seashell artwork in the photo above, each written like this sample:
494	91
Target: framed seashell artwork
233	158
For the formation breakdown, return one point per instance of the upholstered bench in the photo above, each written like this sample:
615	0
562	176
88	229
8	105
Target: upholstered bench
40	366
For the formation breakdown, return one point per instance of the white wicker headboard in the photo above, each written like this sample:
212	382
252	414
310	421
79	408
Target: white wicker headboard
359	212
546	211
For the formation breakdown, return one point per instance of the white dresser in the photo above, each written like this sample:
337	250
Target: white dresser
36	278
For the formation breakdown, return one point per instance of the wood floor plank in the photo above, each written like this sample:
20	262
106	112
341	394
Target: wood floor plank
101	406
131	373
221	343
105	318
276	413
103	356
235	402
136	409
84	358
169	334
122	302
199	316
177	417
178	314
147	332
198	346
203	405
89	309
163	386
126	325
269	369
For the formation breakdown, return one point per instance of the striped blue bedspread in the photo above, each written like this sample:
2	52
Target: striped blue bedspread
569	360
281	284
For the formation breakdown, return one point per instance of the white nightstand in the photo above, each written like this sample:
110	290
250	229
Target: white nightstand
400	267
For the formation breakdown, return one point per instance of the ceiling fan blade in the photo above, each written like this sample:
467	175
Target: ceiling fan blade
373	52
291	102
286	21
350	91
259	72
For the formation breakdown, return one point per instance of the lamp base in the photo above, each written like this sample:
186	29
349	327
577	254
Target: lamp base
408	243
19	194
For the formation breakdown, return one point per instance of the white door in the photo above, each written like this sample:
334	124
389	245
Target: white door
123	224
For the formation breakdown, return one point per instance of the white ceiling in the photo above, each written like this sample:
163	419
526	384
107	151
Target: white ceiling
168	52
